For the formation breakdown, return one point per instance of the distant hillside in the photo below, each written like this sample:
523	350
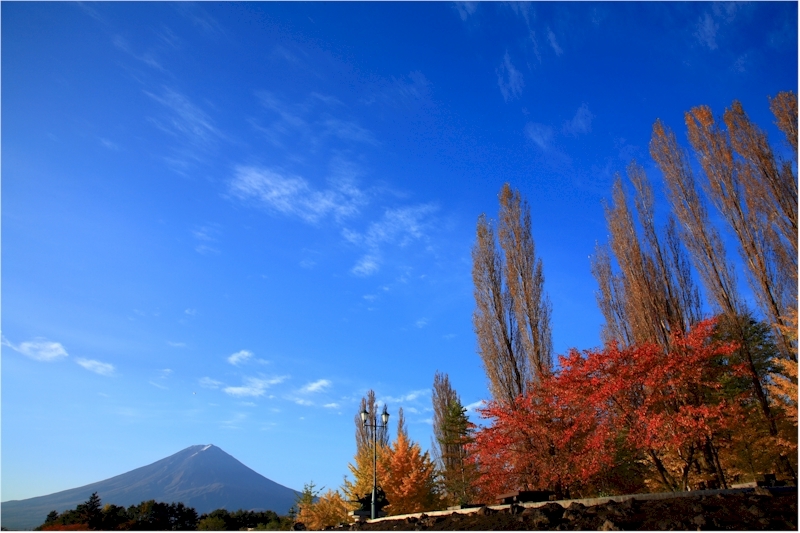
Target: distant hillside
203	477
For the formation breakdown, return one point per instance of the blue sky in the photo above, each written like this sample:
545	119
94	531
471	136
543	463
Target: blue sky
223	223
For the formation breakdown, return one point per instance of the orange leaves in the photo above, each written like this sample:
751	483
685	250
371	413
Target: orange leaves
409	478
784	107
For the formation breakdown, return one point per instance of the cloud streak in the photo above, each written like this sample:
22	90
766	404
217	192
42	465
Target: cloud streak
98	367
540	134
466	9
706	31
509	79
295	196
39	350
581	123
317	386
186	120
551	38
398	226
409	397
209	383
239	357
254	387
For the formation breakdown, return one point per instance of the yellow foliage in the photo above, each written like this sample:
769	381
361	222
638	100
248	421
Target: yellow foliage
784	383
362	473
330	510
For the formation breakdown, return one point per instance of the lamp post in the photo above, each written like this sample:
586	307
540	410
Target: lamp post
375	426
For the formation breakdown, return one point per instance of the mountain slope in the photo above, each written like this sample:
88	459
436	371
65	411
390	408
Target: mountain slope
203	477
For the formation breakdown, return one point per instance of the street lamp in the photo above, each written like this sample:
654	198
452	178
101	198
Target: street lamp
375	426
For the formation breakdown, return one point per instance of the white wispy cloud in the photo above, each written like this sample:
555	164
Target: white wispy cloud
309	123
147	58
421	323
158	385
191	312
741	63
109	144
168	37
210	383
408	397
253	386
415	87
98	367
294	195
201	19
39	350
397	226
206	236
348	131
240	357
332	405
524	10
465	9
474	405
91	12
551	38
509	79
706	31
186	120
233	422
366	266
317	386
580	123
540	134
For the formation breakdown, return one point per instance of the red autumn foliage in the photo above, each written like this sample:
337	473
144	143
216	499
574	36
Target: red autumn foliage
567	430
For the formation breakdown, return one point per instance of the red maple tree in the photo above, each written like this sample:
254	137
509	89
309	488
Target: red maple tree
665	406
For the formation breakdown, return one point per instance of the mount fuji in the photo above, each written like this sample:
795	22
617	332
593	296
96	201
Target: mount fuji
202	476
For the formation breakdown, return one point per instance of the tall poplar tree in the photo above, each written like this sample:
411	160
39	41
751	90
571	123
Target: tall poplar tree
512	312
653	297
757	195
758	202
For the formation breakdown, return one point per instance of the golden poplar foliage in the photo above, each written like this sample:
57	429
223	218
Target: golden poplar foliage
329	510
755	192
757	200
361	484
653	297
405	473
362	467
784	382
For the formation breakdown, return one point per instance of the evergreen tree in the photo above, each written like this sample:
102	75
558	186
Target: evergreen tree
452	435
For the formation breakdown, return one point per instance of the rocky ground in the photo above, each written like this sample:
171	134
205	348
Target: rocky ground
754	510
